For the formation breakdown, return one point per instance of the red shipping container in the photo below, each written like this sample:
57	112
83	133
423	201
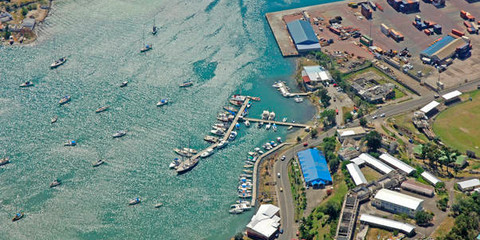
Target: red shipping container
458	33
467	24
426	31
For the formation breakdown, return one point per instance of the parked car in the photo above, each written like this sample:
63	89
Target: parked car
281	189
278	174
283	158
382	115
305	144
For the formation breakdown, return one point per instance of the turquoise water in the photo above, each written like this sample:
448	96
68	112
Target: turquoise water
224	46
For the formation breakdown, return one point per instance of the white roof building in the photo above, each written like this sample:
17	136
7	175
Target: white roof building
430	178
387	223
355	132
396	163
316	73
265	222
373	162
451	95
356	174
469	184
399	199
429	107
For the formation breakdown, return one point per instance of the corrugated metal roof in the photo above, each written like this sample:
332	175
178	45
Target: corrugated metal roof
314	166
356	174
317	73
430	178
351	131
399	199
418	187
430	51
392	161
302	32
429	107
375	163
451	95
469	183
379	221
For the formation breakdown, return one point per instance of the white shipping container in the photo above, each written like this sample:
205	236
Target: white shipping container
384	29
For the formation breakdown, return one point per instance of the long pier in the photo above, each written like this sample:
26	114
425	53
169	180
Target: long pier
255	170
299	125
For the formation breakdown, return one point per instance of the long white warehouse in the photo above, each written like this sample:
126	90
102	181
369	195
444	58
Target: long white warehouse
372	162
387	223
430	178
396	163
397	202
356	174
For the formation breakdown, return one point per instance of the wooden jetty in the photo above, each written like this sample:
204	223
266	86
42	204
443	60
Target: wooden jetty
299	125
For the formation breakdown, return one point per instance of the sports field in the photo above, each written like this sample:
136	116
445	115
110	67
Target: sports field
459	125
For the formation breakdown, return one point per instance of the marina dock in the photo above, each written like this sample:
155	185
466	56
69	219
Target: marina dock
299	125
255	170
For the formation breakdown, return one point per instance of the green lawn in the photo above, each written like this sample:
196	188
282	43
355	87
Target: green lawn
458	125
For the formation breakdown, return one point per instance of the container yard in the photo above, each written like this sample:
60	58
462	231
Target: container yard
365	28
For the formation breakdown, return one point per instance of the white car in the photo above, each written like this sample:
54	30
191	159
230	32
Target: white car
382	115
374	116
278	174
283	158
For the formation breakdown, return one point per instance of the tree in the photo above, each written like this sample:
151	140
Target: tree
423	218
323	94
299	139
24	11
329	117
348	117
314	133
239	236
374	141
7	32
363	122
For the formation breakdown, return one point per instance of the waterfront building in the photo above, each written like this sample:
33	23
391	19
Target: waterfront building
397	202
314	168
303	36
265	223
314	76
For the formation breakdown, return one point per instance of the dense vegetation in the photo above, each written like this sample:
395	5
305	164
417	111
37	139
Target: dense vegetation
467	218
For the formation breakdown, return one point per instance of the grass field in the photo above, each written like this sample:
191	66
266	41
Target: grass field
458	125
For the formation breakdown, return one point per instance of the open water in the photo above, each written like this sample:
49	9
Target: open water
226	47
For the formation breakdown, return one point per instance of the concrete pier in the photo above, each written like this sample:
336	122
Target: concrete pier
299	125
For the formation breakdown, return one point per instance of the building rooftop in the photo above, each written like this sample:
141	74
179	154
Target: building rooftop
399	199
356	174
418	187
317	73
469	183
429	107
366	158
451	95
430	178
302	32
314	166
265	221
379	221
351	131
392	161
439	44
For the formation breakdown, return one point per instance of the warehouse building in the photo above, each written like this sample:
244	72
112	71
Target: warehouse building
396	202
469	184
265	223
356	174
303	36
372	162
351	133
431	108
445	48
396	163
430	178
314	168
418	188
452	97
387	224
314	76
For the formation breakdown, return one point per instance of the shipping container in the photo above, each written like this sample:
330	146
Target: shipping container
428	32
471	30
467	24
379	7
457	33
437	29
418	18
463	14
384	29
334	30
372	5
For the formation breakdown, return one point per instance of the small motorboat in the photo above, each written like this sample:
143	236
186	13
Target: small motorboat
268	126
230	109
248	166
279	139
247	123
211	139
236	210
255	99
124	84
158	205
26	84
134	201
55	183
298	99
245	195
54	119
190	150
183	152
284	119
174	163
146	48
102	109
217	132
290	128
251	153
232	136
271	116
186	84
207	153
4	161
98	163
256	149
17	216
274	127
247	171
265	114
154	30
58	63
243	201
236	103
222	144
70	143
249	104
237	126
260	124
64	100
162	102
260	152
119	134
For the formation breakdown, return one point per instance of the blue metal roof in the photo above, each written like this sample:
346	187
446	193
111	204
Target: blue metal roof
314	167
302	32
437	46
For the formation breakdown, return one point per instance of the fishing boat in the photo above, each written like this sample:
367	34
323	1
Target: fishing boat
217	132
247	123
279	139
274	127
271	116
284	119
186	84
187	165
134	201
58	63
102	109
64	100
124	84
158	205
70	143
236	103
230	109
260	124
54	119
174	163
162	102
255	98
268	126
232	136
55	183
119	134
26	84
247	171
238	98
236	210
190	150
98	163
154	28
211	139
4	161
222	144
298	99
146	48
265	114
290	128
207	153
17	216
248	166
183	152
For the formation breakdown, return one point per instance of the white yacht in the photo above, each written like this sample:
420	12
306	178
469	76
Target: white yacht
265	114
268	126
222	144
207	153
271	116
247	123
232	136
